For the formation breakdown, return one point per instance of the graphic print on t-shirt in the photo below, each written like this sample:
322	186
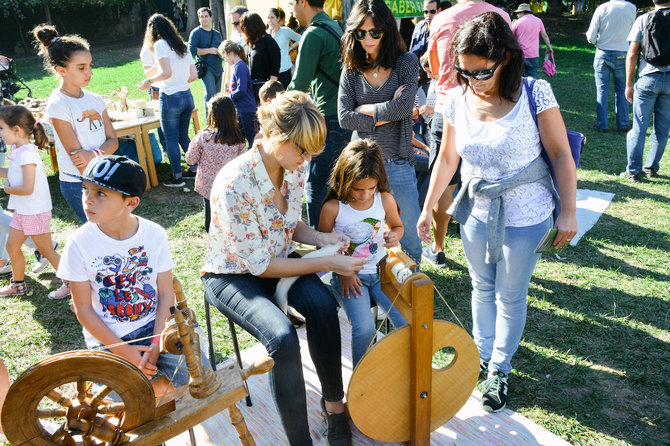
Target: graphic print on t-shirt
94	119
125	295
361	237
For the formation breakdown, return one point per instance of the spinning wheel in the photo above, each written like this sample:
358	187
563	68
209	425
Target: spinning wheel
395	394
70	389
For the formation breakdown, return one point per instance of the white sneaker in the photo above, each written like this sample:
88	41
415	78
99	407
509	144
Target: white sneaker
6	268
61	292
41	262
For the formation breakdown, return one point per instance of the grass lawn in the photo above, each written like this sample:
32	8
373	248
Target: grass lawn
593	361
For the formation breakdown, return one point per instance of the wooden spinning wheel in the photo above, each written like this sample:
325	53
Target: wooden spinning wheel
395	394
70	390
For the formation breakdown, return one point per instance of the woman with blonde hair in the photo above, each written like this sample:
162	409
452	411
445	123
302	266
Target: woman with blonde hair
256	203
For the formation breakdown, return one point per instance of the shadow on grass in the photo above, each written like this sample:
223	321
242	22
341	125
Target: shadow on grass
620	394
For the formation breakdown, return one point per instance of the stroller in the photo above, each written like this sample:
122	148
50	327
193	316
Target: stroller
10	83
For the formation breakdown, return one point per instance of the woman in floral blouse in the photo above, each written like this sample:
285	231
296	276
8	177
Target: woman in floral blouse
256	202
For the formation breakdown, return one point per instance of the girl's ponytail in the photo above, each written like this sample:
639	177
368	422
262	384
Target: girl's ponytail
40	135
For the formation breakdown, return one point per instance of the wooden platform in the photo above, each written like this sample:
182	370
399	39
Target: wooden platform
471	425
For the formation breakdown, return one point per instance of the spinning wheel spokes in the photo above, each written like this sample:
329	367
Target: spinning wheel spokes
47	396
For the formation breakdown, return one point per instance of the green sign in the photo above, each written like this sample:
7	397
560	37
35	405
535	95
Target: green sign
406	8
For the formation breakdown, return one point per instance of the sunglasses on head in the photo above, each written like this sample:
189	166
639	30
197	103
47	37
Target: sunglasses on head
430	11
480	75
359	34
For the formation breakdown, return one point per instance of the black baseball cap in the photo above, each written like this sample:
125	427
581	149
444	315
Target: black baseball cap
117	173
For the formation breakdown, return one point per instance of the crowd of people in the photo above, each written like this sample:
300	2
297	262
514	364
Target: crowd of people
384	142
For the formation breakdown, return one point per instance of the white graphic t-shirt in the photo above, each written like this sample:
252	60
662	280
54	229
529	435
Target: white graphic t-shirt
122	273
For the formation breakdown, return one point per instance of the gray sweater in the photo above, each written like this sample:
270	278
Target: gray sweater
395	138
461	208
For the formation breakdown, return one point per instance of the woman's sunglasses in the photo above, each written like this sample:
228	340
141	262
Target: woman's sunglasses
359	34
480	75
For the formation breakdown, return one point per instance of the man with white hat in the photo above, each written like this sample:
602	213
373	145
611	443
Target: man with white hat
528	29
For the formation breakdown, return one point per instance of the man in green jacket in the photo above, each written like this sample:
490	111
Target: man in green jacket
317	69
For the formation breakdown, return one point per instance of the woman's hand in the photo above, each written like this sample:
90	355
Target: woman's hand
567	228
144	85
333	238
423	226
345	265
426	110
80	158
391	239
351	285
399	91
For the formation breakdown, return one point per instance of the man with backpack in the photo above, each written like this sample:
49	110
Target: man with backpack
650	37
318	68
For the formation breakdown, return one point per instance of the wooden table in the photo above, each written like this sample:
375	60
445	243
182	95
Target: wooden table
140	129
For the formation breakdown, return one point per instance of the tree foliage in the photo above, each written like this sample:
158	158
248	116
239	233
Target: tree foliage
19	7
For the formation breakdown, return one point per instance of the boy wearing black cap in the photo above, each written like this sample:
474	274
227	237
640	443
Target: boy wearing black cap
120	269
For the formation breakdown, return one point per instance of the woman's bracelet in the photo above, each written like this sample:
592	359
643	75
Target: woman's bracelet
316	238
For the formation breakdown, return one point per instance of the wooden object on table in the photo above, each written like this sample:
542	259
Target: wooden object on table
70	390
397	372
122	94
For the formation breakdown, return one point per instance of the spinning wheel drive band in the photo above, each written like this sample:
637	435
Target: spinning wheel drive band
379	391
37	387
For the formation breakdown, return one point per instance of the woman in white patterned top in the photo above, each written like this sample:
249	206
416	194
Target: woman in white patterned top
256	202
507	199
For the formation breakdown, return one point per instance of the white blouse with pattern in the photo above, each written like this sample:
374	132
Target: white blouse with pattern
500	149
247	229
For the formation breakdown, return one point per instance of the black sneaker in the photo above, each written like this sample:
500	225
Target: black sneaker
634	177
437	259
624	129
174	182
650	172
339	433
598	129
188	174
494	392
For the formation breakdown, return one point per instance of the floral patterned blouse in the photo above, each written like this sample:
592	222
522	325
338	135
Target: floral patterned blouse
210	158
247	229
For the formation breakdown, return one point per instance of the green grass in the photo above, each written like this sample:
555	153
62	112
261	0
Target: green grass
593	361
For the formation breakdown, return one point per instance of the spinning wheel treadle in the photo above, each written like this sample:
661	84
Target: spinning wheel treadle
39	394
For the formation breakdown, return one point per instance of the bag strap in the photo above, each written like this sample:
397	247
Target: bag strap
528	85
211	39
338	37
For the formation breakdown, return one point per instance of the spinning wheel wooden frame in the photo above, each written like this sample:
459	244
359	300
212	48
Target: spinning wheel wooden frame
76	387
395	394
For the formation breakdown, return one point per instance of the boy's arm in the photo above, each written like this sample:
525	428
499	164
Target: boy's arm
81	296
165	301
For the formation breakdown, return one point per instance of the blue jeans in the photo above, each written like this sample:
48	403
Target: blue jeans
175	110
500	290
652	96
362	321
248	301
402	181
530	66
321	167
172	366
604	64
72	193
247	122
211	83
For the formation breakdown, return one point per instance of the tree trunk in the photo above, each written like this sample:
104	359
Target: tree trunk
47	12
218	17
554	7
192	9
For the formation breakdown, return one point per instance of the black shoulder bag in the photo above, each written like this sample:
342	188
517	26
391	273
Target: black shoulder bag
201	65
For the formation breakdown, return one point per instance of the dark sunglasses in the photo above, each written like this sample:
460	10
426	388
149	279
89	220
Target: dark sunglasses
480	75
303	152
430	11
359	34
236	23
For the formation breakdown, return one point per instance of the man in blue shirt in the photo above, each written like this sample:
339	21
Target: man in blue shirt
420	34
650	95
203	43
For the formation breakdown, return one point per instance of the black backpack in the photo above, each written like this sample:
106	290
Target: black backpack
656	38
